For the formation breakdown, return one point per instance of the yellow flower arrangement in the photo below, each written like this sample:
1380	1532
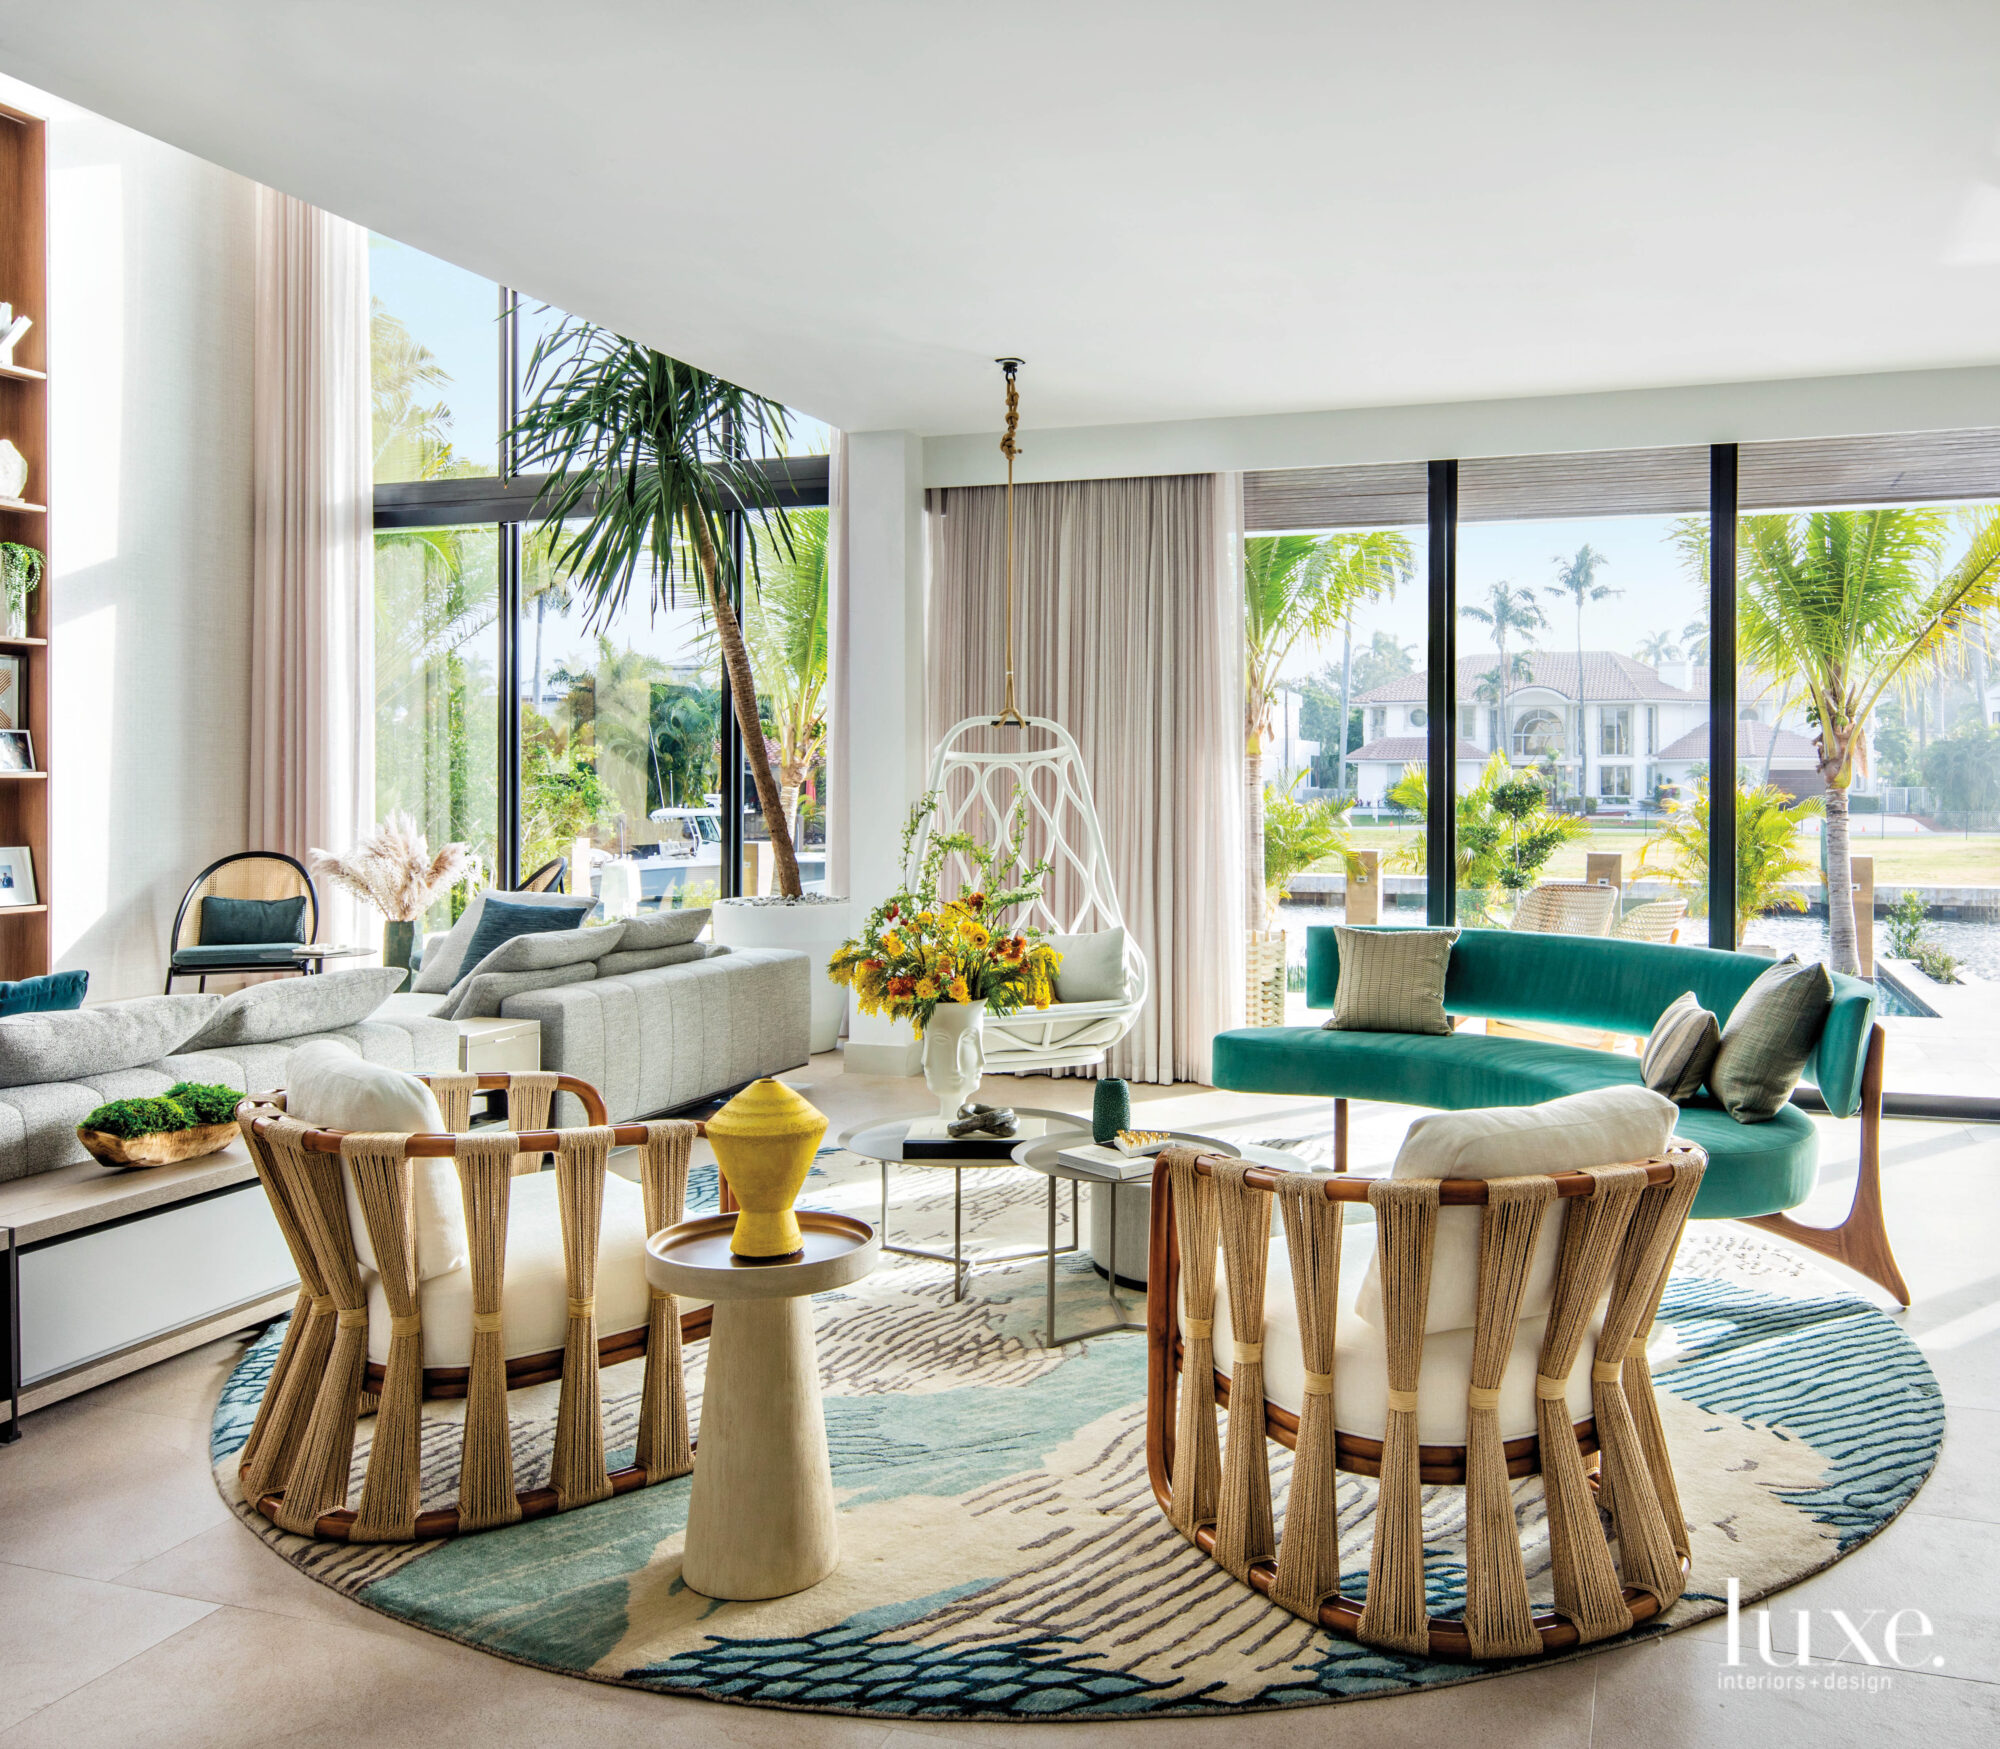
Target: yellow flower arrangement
917	950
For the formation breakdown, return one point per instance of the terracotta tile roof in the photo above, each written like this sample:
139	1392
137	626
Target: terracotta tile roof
1609	676
1411	750
1753	741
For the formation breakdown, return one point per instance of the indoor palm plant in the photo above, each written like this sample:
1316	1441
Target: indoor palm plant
650	466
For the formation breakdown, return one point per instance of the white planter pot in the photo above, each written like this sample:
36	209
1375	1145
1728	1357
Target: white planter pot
955	1054
811	926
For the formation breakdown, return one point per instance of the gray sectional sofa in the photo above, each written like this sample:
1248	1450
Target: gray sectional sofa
648	1015
56	1067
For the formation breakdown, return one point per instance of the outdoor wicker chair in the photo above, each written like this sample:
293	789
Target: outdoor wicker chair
1566	908
1343	1392
1656	920
377	1319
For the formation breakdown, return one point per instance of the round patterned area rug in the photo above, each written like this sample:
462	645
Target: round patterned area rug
1002	1553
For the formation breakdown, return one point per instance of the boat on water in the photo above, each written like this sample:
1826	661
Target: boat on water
683	862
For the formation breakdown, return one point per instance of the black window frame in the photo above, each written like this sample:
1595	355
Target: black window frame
505	502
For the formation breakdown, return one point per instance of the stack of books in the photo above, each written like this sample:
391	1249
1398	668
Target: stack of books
930	1138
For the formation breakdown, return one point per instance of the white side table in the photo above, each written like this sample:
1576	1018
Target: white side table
760	1517
495	1045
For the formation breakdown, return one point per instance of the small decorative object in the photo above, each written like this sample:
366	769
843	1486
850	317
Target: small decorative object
17	876
393	870
13	700
189	1120
17	750
918	956
20	575
764	1141
12	327
1110	1110
954	1054
1132	1143
982	1120
13	470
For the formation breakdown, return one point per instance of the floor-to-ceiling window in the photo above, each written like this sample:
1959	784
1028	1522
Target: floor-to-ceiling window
515	713
1634	710
1335	576
1865	702
1583	670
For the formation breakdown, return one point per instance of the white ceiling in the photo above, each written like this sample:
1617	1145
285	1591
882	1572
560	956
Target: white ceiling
1171	210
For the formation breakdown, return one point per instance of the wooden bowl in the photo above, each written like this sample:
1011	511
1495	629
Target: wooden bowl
162	1148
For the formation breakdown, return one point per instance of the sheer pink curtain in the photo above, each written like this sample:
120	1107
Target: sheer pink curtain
312	655
1128	632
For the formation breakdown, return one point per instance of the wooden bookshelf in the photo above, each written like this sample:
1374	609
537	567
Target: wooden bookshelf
24	417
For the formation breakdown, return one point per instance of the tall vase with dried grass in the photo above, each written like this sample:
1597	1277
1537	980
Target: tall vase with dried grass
393	870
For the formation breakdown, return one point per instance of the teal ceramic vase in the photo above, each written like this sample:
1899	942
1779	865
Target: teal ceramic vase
399	941
1110	1111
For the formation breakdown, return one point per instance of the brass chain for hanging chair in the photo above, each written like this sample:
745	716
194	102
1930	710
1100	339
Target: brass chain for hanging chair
1010	712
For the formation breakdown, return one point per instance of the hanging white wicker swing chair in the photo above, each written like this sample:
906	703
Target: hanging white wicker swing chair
978	790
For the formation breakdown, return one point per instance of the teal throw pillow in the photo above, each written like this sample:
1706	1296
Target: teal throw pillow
252	922
501	921
44	995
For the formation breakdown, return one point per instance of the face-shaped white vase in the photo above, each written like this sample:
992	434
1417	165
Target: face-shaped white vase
955	1054
13	470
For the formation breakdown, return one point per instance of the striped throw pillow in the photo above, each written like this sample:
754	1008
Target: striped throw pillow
1391	980
1771	1033
1679	1049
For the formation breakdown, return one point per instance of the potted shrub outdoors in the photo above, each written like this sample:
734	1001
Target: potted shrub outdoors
190	1119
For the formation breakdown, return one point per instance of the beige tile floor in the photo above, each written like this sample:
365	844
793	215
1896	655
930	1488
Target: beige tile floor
135	1611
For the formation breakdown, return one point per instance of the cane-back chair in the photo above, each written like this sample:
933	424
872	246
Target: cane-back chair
1343	1391
282	889
1654	920
377	1320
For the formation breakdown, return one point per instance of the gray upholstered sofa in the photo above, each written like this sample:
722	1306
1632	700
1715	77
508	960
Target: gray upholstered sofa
58	1066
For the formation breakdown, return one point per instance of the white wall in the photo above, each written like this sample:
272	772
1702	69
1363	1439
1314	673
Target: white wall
1753	412
151	283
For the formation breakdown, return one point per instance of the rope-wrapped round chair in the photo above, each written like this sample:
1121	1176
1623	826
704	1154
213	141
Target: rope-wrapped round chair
1490	1403
515	1298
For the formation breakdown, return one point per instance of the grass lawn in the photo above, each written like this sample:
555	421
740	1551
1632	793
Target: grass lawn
1936	859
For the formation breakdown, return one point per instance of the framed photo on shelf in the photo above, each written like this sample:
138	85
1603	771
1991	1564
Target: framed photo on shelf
17	750
13	693
17	876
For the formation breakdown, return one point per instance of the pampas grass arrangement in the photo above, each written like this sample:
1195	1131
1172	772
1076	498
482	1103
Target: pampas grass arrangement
393	869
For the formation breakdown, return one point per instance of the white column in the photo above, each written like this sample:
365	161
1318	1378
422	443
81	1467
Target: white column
881	749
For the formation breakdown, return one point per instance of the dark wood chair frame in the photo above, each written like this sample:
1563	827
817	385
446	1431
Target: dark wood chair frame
204	973
551	877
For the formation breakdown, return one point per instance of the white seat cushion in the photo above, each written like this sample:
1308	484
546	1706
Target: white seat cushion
1611	1126
534	1302
331	1086
1360	1367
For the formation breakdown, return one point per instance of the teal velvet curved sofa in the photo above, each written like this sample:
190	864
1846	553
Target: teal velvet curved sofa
1755	1171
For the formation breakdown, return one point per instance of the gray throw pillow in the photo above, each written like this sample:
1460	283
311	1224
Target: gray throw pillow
663	928
1093	967
68	1043
649	959
544	952
1771	1033
1677	1054
440	969
1391	980
482	994
293	1007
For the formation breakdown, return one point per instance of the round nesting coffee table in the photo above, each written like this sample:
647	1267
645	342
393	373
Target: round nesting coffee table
760	1516
883	1143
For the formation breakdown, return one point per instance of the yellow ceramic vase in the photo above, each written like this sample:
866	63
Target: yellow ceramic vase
764	1141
